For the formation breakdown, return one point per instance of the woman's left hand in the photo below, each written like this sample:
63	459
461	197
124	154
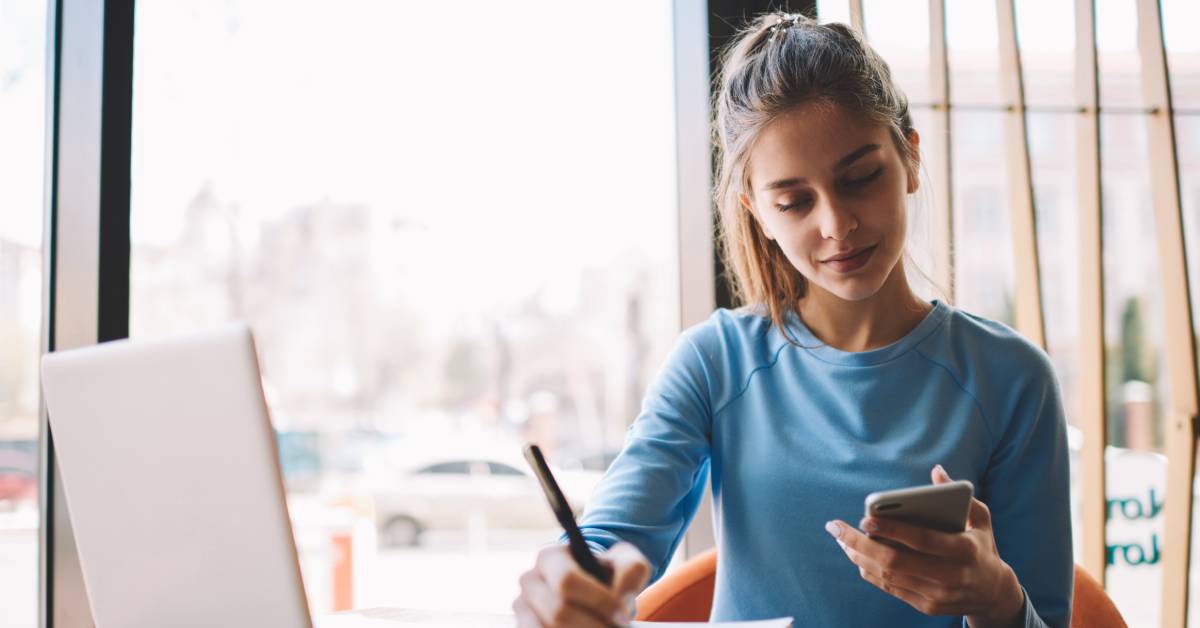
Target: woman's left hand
938	573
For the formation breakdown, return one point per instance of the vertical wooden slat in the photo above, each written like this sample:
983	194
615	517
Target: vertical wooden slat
1028	297
1091	293
936	140
856	16
1181	351
691	28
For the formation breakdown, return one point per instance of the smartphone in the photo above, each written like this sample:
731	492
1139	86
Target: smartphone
942	507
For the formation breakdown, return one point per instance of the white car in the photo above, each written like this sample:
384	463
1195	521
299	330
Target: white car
450	494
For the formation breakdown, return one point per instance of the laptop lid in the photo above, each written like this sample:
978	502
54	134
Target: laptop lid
171	476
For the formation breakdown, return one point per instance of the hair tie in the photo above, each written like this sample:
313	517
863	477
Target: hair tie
786	20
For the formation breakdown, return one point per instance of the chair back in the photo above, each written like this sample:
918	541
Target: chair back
683	594
686	593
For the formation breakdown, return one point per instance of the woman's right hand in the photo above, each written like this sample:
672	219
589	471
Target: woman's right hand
558	592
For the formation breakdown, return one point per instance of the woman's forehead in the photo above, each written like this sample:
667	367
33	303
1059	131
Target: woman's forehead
811	140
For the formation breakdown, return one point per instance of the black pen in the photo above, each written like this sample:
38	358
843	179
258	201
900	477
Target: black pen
562	510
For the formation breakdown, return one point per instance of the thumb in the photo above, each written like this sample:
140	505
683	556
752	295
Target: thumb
978	516
939	475
631	570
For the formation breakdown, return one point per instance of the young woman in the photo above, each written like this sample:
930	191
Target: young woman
835	380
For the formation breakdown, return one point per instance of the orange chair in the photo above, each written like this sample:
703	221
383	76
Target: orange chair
686	594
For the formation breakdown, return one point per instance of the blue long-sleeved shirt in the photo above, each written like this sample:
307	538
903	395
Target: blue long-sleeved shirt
797	436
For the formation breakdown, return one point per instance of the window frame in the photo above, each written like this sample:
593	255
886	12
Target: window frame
86	248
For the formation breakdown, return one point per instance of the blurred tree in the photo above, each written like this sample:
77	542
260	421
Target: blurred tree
1137	358
1132	359
1114	408
466	377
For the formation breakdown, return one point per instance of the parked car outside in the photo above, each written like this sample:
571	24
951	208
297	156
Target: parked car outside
449	493
18	473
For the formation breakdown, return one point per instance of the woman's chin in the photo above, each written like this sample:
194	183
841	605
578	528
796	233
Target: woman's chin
853	288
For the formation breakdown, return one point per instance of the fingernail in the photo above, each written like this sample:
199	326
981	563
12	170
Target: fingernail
624	615
942	470
868	525
833	529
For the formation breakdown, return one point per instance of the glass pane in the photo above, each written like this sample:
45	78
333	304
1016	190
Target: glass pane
22	142
974	57
920	244
1137	382
447	243
1053	166
1046	35
1193	613
1117	54
1183	51
833	11
1187	142
899	32
983	256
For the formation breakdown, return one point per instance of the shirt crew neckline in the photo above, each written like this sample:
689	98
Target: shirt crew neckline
822	351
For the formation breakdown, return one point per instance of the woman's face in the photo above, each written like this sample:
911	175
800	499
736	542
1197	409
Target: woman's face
825	184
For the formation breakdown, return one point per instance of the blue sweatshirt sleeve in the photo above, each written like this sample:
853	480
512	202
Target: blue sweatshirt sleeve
651	491
1027	490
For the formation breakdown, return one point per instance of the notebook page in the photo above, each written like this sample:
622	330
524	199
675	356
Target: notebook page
781	622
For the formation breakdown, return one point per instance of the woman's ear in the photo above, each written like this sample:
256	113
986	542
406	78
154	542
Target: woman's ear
748	205
914	169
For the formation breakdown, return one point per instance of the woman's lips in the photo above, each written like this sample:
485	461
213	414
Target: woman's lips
851	263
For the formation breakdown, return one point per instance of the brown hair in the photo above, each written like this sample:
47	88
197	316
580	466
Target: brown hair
776	63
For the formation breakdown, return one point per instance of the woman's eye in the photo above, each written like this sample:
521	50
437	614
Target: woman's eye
800	204
862	181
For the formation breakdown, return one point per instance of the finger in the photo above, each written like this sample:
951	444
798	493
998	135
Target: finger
525	616
928	597
921	582
939	475
892	559
919	538
910	597
979	516
915	582
631	570
571	582
933	591
551	609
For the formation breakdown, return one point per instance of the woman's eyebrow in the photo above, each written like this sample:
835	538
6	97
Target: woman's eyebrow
852	157
842	164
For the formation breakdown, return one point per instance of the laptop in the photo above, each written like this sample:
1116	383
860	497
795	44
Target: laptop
171	477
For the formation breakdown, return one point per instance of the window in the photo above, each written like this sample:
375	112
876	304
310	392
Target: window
1135	343
22	127
450	236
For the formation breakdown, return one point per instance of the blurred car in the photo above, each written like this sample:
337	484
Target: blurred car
300	459
18	472
449	494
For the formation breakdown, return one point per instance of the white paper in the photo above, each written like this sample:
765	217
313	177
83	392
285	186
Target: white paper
398	618
782	622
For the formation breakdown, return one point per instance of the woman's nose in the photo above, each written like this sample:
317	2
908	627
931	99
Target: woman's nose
836	222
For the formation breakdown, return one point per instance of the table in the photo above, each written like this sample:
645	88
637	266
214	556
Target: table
400	617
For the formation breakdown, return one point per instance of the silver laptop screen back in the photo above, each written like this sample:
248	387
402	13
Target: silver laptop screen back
171	476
